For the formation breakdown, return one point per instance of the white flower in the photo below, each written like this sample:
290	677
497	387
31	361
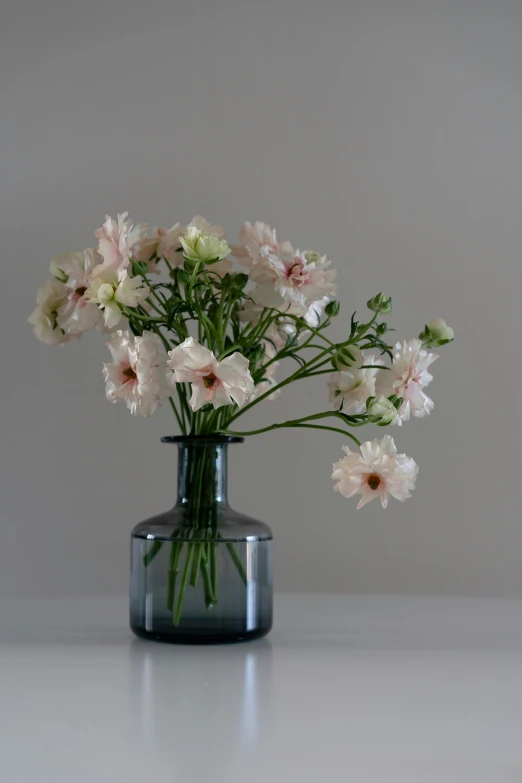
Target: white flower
203	247
164	243
378	471
290	281
217	383
110	290
116	240
381	411
407	377
76	314
49	298
352	386
256	236
315	313
137	373
206	227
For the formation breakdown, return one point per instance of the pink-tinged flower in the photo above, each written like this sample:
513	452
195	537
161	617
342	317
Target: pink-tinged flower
164	243
256	236
217	383
351	387
77	314
378	471
116	239
110	290
290	281
137	373
49	298
206	227
407	378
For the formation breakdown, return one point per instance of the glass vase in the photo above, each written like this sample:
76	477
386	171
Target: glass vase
201	572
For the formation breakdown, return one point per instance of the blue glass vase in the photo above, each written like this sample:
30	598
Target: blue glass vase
201	572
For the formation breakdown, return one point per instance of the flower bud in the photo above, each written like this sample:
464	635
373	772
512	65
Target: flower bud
381	411
436	332
380	304
56	272
381	329
332	308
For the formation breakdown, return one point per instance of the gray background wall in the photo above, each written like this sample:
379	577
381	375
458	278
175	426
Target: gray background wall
386	134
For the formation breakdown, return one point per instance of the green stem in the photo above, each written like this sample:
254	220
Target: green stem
301	423
237	562
210	598
176	414
155	547
196	565
213	567
183	585
176	549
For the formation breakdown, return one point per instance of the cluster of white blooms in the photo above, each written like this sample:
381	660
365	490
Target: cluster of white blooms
283	301
286	279
90	287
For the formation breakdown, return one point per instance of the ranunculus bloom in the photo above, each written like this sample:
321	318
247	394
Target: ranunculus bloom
77	314
352	386
203	247
256	236
407	378
164	243
116	239
217	383
378	471
137	373
49	298
109	290
206	227
289	281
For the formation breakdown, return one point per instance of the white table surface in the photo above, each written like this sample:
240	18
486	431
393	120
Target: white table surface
347	689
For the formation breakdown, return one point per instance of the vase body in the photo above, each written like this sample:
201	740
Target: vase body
201	572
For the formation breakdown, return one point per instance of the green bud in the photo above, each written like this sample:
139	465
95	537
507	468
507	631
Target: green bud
381	329
381	411
380	304
239	280
436	333
56	272
332	308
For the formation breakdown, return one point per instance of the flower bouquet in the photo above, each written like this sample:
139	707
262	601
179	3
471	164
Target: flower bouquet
213	330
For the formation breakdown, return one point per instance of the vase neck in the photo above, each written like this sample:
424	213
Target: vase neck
202	474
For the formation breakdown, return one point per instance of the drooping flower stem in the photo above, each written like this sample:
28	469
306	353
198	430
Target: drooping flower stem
352	420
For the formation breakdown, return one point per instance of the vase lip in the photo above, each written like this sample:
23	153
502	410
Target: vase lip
220	439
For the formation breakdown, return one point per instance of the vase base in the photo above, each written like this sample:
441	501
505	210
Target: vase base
189	637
